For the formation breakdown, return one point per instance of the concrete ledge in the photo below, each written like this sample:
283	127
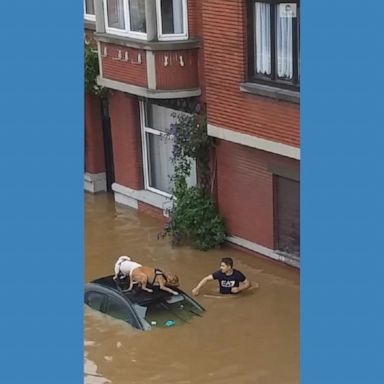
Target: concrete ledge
146	92
254	142
147	45
89	24
131	197
285	258
126	200
95	182
273	92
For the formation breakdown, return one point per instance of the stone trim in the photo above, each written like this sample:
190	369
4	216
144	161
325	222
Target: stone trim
151	69
254	142
146	92
292	173
147	45
95	182
131	197
90	25
272	92
275	255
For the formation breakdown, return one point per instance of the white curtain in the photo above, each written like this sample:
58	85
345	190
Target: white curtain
137	15
159	164
172	16
160	168
89	7
263	38
115	11
159	149
284	54
160	117
178	18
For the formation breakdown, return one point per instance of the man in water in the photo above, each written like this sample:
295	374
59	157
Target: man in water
231	281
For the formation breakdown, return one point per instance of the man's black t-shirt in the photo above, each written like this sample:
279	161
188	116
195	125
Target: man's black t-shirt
227	282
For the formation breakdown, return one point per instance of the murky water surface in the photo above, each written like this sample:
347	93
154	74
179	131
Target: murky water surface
250	338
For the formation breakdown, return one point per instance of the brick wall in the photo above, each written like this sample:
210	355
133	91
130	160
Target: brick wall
130	71
149	210
245	190
195	18
175	76
126	140
172	77
225	57
94	151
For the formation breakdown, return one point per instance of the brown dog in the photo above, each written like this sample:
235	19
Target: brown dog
144	275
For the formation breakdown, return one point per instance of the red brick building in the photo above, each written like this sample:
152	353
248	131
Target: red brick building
95	159
238	59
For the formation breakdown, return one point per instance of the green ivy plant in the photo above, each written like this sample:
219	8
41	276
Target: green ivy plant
193	217
91	71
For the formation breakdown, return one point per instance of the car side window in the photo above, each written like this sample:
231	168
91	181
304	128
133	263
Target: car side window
95	300
119	309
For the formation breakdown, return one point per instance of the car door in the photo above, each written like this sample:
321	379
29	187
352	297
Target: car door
96	300
120	309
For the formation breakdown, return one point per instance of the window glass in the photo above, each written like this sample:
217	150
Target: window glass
275	43
160	167
178	309
137	15
89	7
262	38
159	147
95	300
115	12
284	41
172	16
118	309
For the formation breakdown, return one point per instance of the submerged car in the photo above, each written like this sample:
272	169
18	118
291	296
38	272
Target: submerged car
141	309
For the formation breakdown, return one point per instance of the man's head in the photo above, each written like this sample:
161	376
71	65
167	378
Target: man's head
226	264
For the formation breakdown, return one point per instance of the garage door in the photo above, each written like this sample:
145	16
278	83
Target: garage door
287	215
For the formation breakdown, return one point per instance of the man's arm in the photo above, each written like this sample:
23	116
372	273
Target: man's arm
243	286
204	281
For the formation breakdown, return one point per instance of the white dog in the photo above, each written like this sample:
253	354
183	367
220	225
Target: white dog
124	266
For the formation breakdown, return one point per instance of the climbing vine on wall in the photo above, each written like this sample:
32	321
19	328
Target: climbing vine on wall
193	217
91	71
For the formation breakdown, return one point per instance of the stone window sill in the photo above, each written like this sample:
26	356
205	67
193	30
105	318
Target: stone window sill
147	45
144	196
272	92
91	25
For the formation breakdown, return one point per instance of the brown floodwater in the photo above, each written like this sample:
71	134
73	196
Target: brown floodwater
249	338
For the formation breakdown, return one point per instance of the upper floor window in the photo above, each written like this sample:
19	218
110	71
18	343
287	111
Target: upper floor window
172	19
126	18
89	10
275	42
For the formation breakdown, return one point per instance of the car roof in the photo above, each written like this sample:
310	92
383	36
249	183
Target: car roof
136	296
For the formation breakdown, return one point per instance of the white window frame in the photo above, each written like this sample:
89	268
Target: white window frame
144	131
88	16
172	36
127	22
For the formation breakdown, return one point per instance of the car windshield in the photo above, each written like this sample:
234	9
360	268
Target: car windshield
169	311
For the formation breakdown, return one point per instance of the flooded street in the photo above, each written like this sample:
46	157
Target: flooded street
250	338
